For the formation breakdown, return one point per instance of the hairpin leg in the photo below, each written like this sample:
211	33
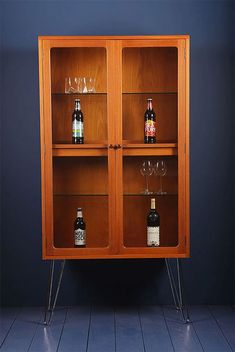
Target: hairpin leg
177	289
50	306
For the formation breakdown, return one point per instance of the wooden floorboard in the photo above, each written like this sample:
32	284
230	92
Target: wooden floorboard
7	318
128	330
102	330
210	335
120	329
183	336
225	317
46	338
23	330
75	333
156	335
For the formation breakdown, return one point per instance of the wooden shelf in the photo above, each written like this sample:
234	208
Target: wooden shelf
150	93
74	94
80	149
136	149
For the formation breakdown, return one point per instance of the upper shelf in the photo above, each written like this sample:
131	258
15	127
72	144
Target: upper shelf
75	94
105	93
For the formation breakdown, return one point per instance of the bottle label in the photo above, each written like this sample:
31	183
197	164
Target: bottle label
77	128
153	236
150	128
80	237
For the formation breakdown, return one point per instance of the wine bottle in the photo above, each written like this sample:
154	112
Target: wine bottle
153	226
79	230
77	124
149	123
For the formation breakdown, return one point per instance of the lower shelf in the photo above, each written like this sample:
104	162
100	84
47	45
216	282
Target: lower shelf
95	212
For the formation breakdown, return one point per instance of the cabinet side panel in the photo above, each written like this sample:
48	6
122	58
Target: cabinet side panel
42	141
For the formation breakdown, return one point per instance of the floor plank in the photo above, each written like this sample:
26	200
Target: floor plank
183	336
225	317
155	332
208	331
76	328
23	330
102	330
7	318
46	338
128	330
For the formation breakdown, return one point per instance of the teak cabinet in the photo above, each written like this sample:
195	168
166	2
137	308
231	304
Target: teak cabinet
103	175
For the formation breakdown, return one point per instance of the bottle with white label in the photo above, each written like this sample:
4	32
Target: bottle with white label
153	226
77	124
79	230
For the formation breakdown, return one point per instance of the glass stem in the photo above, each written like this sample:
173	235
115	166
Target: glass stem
147	185
160	184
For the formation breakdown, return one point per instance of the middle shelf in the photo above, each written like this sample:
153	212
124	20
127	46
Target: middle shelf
128	149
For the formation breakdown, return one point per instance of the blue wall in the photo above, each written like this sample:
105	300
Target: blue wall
208	273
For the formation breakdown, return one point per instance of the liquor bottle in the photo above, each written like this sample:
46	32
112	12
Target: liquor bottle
153	226
77	124
149	123
79	230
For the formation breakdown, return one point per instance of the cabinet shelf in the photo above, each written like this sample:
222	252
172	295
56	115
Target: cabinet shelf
149	195
160	148
80	194
75	94
148	93
89	149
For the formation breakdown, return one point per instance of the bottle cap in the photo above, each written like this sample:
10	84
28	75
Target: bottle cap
77	100
149	99
79	208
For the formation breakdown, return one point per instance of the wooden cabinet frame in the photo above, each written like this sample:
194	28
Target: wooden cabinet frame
114	47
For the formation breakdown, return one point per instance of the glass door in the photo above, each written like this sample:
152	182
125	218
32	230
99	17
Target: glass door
80	171
150	170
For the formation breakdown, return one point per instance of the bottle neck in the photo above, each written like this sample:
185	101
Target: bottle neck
153	204
77	106
150	105
79	213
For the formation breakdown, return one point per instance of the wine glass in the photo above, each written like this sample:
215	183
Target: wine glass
146	170
160	169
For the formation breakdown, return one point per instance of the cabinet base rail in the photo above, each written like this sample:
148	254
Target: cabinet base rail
175	281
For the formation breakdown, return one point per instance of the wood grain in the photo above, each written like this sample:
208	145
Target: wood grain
144	65
95	213
165	107
151	69
94	108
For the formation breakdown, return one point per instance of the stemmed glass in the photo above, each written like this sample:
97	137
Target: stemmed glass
146	170
160	169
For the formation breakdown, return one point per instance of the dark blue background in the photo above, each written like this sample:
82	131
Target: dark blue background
209	274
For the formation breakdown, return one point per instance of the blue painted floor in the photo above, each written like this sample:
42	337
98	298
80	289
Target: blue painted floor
123	329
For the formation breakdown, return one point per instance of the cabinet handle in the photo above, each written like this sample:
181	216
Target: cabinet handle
115	146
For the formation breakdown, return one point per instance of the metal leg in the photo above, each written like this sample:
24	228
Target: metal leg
177	289
172	284
50	284
50	307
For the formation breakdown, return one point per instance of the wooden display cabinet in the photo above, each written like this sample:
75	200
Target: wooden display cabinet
103	175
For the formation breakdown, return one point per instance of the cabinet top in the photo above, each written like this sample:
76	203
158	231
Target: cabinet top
115	37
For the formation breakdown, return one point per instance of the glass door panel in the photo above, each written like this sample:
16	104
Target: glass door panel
135	200
150	73
87	70
74	187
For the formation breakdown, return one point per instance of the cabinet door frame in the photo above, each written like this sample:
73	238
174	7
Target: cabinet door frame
49	251
182	249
